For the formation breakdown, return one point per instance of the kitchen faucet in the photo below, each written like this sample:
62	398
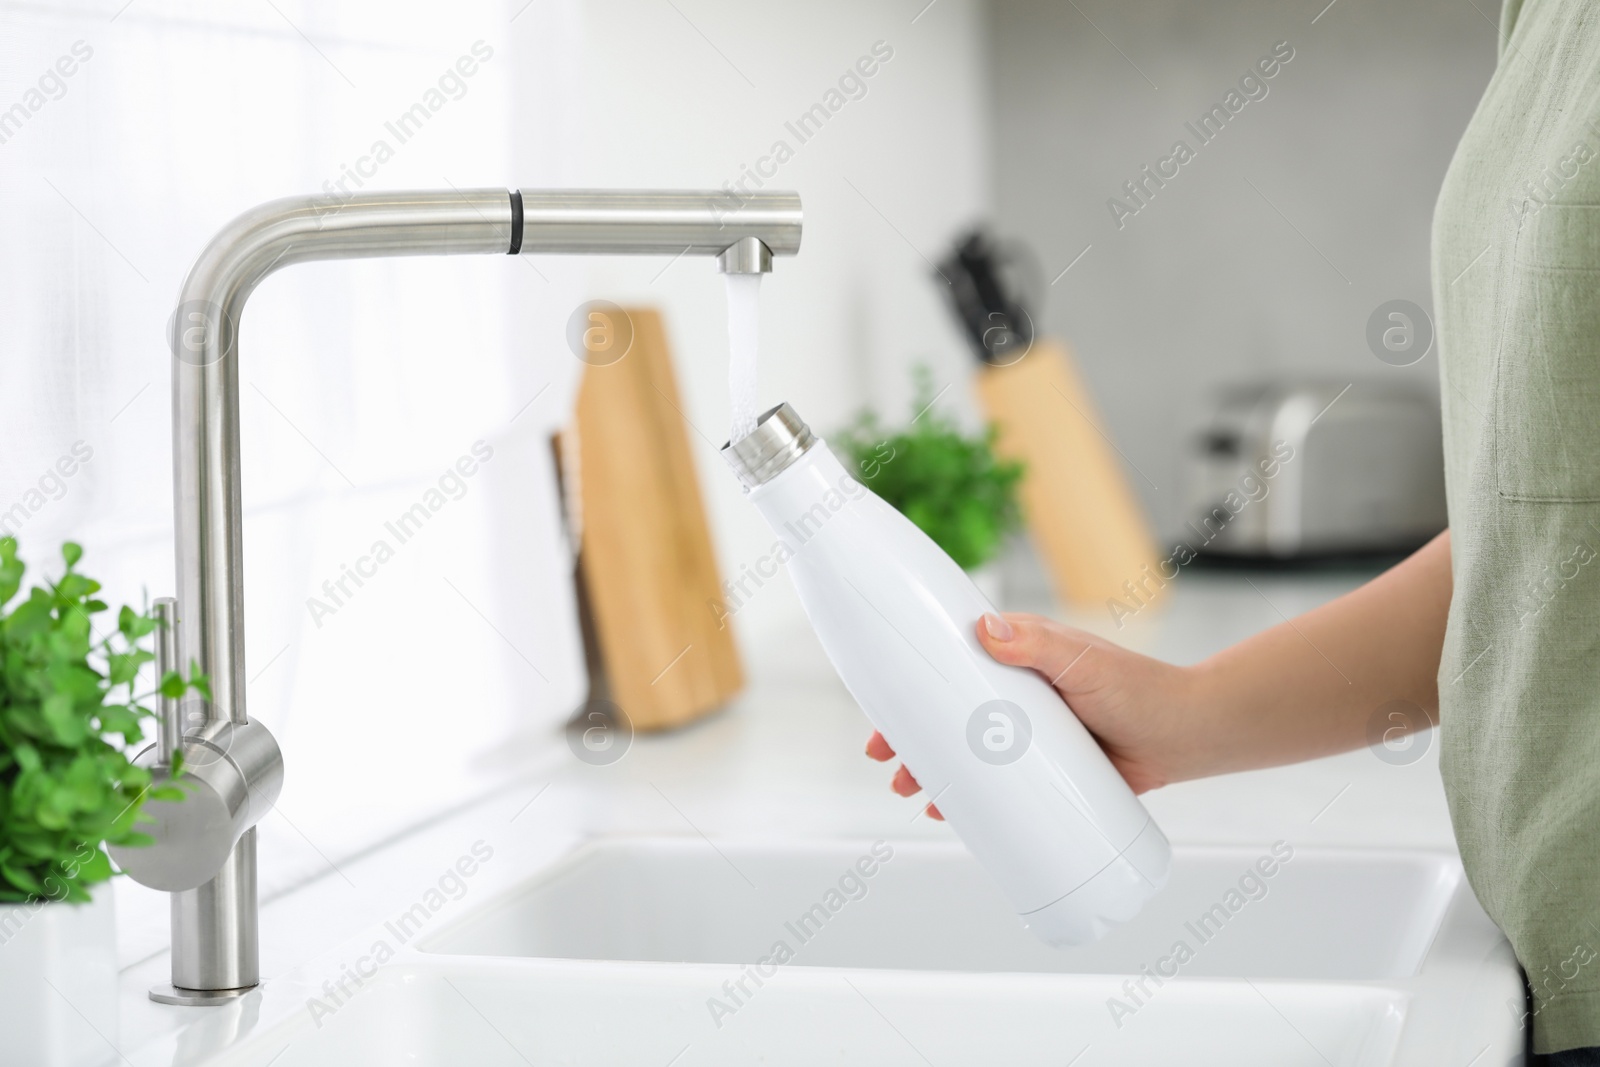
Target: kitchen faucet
204	850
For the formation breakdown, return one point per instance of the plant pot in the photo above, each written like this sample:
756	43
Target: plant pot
990	582
58	982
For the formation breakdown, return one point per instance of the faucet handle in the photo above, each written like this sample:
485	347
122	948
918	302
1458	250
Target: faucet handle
231	776
169	727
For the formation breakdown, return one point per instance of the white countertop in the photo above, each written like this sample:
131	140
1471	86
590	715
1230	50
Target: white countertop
784	760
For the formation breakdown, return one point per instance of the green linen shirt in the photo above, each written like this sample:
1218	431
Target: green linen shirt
1516	290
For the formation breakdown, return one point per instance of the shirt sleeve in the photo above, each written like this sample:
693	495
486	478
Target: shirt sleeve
1508	20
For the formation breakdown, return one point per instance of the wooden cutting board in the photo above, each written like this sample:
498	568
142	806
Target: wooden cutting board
649	586
1084	518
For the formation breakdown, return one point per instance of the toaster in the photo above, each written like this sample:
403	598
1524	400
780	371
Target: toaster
1297	470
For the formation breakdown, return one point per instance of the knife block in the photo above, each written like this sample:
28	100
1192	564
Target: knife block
649	592
1084	518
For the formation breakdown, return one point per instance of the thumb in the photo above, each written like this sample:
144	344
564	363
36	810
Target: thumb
1022	640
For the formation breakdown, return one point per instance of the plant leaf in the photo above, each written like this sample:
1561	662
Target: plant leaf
66	785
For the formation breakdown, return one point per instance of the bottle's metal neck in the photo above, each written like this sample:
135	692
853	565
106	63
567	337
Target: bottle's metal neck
780	438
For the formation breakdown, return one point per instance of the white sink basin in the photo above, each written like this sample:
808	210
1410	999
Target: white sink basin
644	951
1321	916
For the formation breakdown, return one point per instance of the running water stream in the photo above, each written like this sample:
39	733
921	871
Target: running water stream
744	302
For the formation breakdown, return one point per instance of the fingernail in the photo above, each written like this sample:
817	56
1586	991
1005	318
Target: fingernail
998	628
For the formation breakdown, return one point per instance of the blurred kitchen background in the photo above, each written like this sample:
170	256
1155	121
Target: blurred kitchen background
1262	260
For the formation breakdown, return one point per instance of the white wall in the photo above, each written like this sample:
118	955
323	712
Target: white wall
885	183
1216	281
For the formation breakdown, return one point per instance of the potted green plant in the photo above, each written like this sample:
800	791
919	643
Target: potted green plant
69	713
950	483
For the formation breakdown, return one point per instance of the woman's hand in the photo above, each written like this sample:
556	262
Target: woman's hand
1135	706
1302	689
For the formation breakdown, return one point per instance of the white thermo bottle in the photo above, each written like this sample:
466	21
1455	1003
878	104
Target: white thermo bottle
1010	767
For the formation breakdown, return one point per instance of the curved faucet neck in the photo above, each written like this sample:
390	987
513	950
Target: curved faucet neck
743	232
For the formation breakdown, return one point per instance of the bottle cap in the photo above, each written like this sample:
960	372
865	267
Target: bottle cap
780	438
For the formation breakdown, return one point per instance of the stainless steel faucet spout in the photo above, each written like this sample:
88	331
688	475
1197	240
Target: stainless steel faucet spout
237	765
747	255
675	223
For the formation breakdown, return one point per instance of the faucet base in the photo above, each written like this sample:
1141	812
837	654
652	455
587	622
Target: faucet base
214	927
167	993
